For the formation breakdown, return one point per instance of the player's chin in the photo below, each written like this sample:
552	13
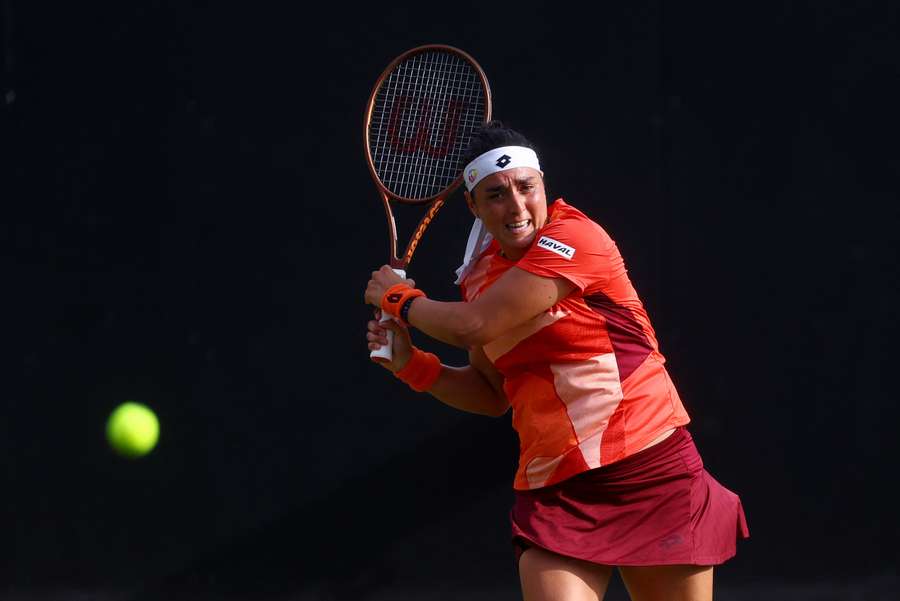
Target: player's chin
522	239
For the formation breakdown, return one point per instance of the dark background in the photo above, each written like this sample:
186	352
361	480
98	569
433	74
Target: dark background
188	221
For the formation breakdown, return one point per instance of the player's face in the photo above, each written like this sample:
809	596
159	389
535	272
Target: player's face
513	206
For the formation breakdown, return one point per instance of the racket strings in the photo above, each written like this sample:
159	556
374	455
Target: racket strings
422	119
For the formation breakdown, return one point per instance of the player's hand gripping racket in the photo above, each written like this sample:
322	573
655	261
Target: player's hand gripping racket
419	121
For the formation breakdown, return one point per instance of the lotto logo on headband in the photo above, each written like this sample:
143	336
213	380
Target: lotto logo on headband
563	250
503	161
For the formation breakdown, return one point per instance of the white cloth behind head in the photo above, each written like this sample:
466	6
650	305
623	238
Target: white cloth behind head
479	239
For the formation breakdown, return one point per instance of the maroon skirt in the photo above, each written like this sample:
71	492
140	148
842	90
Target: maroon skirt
656	507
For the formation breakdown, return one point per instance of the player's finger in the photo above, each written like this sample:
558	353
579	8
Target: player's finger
376	326
394	326
376	337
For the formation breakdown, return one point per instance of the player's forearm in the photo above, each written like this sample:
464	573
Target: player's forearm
456	323
464	388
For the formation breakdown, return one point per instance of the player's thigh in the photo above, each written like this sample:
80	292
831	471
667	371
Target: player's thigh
668	583
547	576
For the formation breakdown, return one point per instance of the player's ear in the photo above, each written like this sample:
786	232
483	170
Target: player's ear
470	202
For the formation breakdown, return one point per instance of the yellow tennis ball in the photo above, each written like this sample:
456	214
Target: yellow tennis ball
132	429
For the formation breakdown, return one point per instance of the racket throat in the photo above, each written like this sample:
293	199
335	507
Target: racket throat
417	236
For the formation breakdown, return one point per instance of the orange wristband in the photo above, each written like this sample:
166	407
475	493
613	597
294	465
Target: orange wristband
394	297
421	371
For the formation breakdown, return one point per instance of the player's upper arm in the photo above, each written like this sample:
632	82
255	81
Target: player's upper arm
479	361
513	299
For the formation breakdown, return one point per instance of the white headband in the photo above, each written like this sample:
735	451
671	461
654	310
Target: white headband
499	159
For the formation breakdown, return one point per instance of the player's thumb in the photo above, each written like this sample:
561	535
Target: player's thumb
392	325
396	327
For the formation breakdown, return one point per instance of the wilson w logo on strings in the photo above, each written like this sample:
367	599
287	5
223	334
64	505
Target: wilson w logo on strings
563	250
412	117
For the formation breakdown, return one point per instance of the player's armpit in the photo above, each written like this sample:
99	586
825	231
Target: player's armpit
479	361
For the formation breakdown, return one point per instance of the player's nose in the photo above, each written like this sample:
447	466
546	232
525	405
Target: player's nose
516	202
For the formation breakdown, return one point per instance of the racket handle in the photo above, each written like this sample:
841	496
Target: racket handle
386	352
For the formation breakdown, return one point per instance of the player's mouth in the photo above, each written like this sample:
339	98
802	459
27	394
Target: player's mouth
519	226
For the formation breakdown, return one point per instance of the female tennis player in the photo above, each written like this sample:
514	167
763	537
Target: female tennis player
608	474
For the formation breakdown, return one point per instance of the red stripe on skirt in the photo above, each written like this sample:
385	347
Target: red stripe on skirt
656	507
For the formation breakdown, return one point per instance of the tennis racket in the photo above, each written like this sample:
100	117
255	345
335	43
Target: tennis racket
419	120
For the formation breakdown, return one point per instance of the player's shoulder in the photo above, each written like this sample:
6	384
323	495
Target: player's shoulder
569	225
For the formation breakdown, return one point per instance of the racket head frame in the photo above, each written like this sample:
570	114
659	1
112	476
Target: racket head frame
434	201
